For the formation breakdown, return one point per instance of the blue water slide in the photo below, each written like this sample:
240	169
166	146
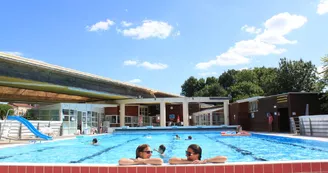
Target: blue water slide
29	126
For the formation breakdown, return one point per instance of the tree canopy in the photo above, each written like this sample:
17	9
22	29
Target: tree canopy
3	110
289	76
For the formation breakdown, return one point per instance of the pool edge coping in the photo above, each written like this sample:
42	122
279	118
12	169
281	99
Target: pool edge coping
164	164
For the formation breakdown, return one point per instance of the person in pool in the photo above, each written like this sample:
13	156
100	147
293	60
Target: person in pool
189	138
143	154
194	155
94	141
161	149
177	137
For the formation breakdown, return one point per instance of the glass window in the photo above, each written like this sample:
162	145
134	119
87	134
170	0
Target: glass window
114	119
73	118
71	112
128	120
54	114
44	112
134	120
65	111
66	118
253	106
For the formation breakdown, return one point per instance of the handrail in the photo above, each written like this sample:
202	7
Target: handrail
4	123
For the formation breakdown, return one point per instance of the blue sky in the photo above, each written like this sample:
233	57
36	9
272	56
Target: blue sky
159	44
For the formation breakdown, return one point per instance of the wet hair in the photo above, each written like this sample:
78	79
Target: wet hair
94	140
140	148
162	147
189	137
196	149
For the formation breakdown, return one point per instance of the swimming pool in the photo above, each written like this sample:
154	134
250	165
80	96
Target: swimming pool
115	146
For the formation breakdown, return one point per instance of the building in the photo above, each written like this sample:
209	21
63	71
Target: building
31	81
20	108
209	117
252	114
90	118
83	117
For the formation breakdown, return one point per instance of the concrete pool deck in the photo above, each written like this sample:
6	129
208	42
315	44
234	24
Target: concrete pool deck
12	143
324	139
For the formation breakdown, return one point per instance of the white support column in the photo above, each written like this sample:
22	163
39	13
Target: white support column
122	115
226	112
162	114
185	111
211	119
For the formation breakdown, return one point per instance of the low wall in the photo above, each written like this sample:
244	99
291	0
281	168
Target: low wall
314	125
175	128
266	167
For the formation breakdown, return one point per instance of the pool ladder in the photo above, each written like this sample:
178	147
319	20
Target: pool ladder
295	125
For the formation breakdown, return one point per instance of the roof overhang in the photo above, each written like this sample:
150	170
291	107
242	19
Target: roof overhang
23	79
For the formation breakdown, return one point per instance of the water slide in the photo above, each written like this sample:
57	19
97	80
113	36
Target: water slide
29	126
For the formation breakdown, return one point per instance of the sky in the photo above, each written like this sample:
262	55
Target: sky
160	44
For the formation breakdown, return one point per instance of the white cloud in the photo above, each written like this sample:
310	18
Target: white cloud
153	66
244	68
102	25
205	74
280	25
130	62
126	24
225	59
135	81
148	29
251	29
145	64
263	44
255	48
14	53
322	7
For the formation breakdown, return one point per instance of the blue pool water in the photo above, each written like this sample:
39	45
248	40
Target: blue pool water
115	146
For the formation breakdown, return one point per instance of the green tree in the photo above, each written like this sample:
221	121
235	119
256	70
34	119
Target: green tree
319	86
323	81
200	84
296	76
211	80
324	73
212	90
244	90
246	76
189	87
267	79
4	109
227	79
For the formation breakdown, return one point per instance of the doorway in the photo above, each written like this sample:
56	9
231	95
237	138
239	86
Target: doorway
284	124
82	122
144	119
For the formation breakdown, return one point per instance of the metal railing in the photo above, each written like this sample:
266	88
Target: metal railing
313	127
17	131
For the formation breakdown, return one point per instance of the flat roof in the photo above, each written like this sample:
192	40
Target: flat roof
10	86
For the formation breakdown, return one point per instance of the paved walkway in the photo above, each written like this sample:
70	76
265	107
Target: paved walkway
295	136
9	143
